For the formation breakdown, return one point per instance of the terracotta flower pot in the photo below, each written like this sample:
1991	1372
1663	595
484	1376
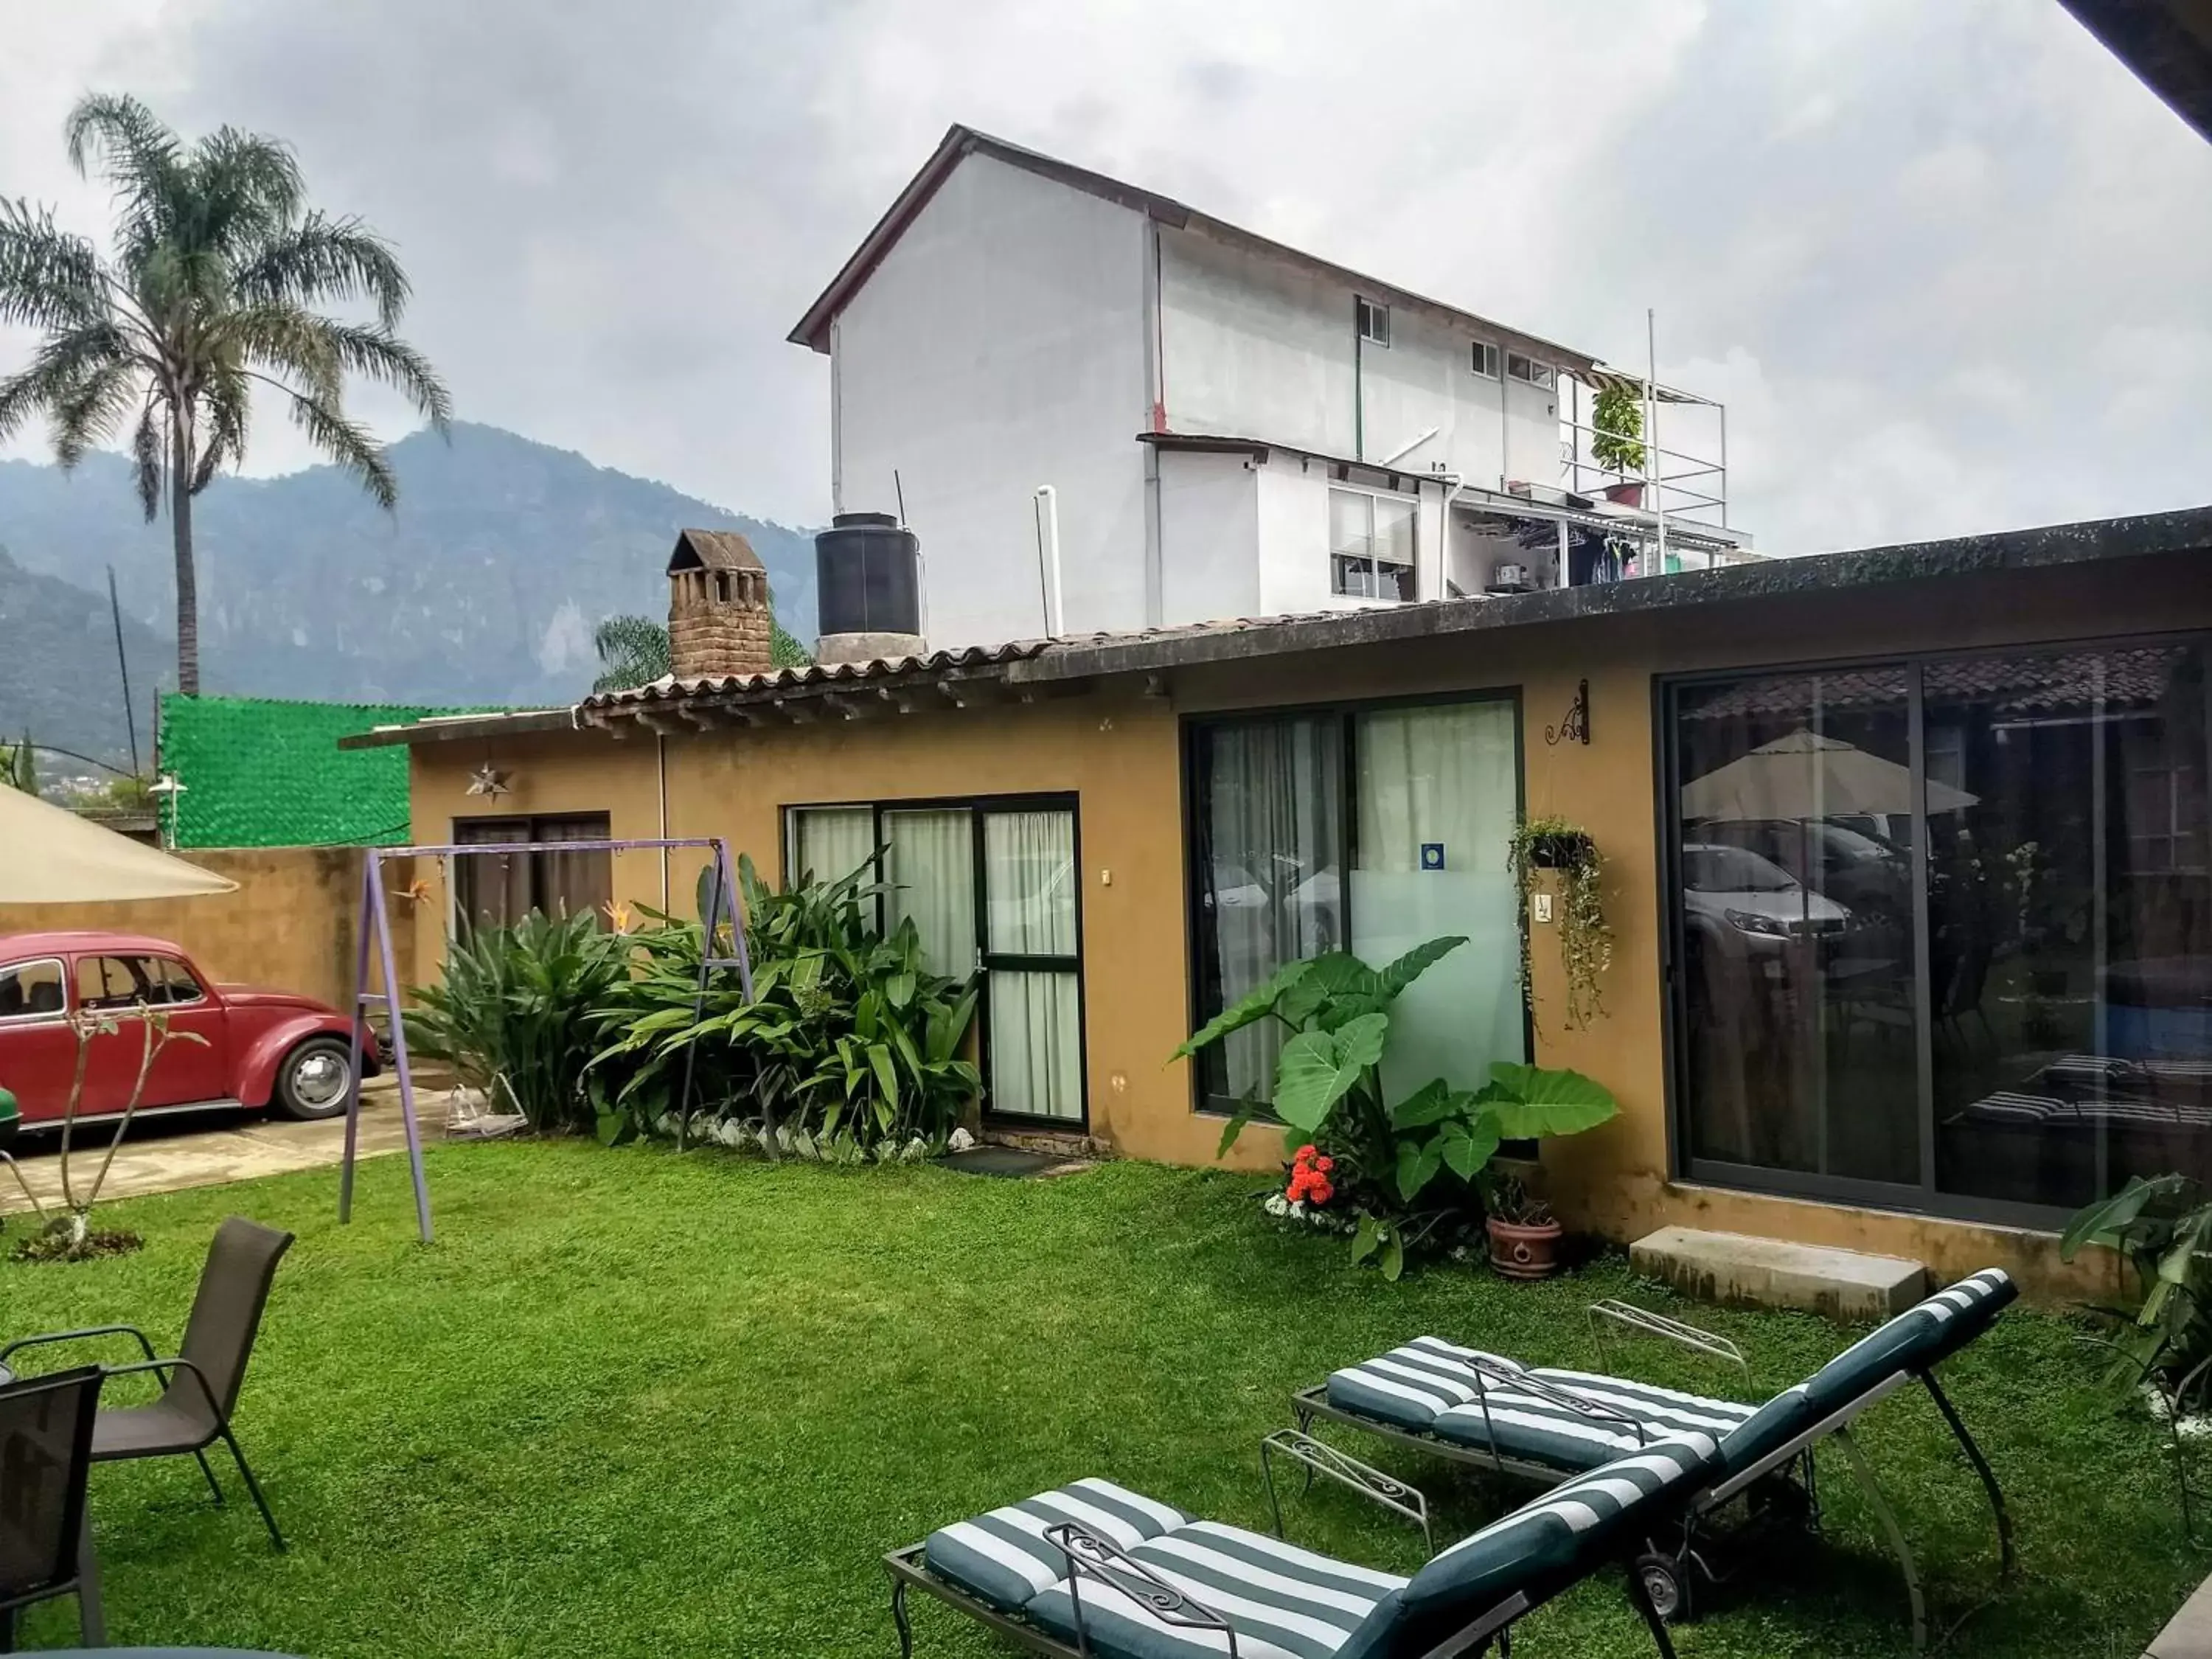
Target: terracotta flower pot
1625	495
1520	1251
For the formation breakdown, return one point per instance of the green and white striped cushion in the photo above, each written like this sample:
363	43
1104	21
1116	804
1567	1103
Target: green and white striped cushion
1554	1539
1926	1333
1283	1602
1410	1386
1551	1432
1004	1556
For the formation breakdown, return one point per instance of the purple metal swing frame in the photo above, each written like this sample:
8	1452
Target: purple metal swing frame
723	903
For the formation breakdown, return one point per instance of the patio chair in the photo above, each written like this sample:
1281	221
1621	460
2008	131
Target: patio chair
45	1454
199	1387
1093	1569
1547	1424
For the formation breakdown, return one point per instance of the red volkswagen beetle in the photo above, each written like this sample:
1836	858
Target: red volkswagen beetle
262	1049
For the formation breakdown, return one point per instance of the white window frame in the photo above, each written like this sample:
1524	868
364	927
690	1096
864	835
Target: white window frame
1372	320
1413	565
1480	352
1541	375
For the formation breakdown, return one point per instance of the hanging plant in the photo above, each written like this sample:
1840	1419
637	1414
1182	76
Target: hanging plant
1585	939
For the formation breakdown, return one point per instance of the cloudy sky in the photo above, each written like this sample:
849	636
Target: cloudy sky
1947	265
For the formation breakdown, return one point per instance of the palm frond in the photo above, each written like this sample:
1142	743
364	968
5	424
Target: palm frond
139	154
377	354
286	341
92	409
250	190
58	373
148	460
323	259
228	401
345	441
49	279
633	651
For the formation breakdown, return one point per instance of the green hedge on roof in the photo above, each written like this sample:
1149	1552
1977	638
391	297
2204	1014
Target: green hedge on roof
261	772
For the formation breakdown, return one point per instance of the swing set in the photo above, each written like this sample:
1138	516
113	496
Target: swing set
724	905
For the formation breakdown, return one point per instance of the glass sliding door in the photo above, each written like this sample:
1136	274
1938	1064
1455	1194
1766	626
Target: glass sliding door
1034	1025
1267	826
1437	793
1795	905
929	864
1942	927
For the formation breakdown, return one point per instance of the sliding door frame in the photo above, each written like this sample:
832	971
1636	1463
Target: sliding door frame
1920	1198
1346	711
987	960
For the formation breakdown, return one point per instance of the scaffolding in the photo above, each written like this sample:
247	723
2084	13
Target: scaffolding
724	907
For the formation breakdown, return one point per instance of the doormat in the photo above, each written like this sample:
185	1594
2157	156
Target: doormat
1009	1163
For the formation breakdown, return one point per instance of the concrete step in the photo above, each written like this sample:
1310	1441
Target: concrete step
1772	1272
2189	1635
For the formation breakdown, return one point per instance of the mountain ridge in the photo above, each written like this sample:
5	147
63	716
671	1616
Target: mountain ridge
484	588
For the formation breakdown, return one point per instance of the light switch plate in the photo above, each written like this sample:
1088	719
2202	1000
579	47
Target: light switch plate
1543	907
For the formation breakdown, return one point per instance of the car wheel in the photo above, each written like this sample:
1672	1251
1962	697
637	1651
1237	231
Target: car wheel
313	1080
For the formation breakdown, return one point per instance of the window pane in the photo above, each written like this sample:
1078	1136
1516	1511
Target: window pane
1350	523
827	843
571	883
1442	779
1268	809
1351	575
114	982
931	866
1028	882
2070	945
33	987
1394	529
1035	1045
491	889
1799	1031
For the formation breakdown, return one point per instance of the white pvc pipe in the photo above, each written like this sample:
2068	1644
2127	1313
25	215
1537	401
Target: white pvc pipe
1048	507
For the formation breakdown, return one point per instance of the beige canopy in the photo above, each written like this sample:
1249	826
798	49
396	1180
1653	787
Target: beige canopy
50	856
1803	775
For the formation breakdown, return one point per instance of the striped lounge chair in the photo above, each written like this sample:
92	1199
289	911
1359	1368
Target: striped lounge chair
1095	1569
1549	1424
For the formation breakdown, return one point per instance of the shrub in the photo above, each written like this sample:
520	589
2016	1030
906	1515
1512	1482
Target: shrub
511	1012
1409	1171
850	1044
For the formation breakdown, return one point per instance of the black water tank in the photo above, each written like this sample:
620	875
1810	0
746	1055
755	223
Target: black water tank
868	575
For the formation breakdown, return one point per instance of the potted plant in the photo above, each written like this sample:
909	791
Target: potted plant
1617	440
1567	856
1400	1176
1524	1234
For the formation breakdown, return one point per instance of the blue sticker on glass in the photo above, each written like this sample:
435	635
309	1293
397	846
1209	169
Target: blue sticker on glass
1432	855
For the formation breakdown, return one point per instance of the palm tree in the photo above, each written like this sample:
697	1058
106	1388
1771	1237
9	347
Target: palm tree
633	651
207	298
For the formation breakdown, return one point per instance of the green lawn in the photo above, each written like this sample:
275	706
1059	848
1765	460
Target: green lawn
633	1403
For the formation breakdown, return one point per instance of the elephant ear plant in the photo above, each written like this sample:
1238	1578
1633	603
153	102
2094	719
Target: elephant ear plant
1410	1168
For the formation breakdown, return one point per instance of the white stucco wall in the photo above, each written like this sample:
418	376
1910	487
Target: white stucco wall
1255	347
1293	539
1002	344
1209	536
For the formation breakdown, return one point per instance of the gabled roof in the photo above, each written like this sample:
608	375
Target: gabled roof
712	550
2167	43
959	143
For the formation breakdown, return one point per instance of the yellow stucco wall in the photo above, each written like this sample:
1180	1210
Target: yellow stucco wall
292	924
1119	751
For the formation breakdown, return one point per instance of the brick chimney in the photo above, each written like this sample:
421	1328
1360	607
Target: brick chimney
717	614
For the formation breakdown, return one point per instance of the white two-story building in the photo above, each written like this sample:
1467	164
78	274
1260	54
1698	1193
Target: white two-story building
1228	426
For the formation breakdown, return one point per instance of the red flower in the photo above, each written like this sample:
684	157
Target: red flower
1304	1155
1322	1192
1324	1164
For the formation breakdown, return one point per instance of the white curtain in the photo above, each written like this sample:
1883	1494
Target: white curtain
1036	1045
1272	818
931	866
1029	874
1030	886
1436	796
827	843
